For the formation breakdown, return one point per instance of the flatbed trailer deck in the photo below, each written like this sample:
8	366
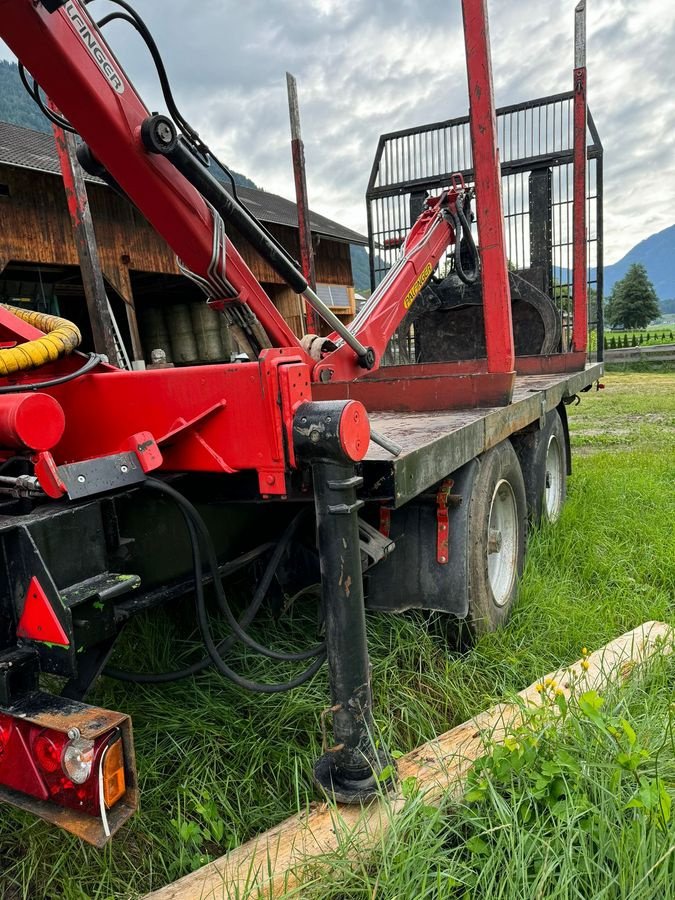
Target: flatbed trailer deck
436	443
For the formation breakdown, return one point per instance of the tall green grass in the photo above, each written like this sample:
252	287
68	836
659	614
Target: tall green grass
217	766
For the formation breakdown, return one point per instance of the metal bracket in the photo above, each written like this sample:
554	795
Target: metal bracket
97	476
443	501
374	545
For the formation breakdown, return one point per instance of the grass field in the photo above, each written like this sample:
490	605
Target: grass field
217	766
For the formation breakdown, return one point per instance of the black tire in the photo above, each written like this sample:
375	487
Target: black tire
544	463
497	498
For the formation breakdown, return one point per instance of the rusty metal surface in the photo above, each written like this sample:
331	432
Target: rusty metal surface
434	444
50	711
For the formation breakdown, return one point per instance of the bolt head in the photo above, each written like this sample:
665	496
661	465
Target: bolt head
124	469
164	133
81	479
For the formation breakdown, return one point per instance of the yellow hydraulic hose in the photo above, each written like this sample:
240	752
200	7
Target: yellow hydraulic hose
61	338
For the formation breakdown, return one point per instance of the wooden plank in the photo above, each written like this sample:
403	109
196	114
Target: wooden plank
275	861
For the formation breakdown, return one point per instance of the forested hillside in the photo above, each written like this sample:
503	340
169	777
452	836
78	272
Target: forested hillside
15	104
19	109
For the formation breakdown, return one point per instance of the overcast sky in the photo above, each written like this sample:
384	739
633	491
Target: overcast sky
369	66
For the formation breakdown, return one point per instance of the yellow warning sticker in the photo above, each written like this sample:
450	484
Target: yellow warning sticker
422	279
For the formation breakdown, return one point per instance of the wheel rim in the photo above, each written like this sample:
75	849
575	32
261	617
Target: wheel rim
553	486
503	542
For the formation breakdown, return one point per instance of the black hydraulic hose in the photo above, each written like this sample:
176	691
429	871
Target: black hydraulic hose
134	19
463	233
34	93
249	614
188	509
207	637
93	361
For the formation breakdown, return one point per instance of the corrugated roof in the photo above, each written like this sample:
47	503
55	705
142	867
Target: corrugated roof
28	149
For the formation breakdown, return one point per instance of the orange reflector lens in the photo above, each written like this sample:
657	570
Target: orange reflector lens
114	783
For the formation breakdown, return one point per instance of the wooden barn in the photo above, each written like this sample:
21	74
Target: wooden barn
148	295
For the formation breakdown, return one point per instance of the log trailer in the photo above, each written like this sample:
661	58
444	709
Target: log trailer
397	462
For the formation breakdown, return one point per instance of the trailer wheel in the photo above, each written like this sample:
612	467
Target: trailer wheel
495	538
543	459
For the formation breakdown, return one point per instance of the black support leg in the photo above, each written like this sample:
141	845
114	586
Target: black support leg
349	771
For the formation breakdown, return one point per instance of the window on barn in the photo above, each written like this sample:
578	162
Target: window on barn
4	190
337	296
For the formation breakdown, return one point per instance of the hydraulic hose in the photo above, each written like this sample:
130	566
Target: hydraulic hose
463	235
248	616
188	509
196	528
61	338
207	637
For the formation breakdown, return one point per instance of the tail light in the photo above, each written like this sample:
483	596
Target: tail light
69	763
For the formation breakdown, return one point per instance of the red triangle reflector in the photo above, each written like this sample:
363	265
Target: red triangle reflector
38	620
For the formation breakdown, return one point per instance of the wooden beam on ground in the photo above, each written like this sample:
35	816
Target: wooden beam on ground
275	861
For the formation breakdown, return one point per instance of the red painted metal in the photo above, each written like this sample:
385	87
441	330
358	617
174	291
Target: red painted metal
31	421
580	274
443	521
424	247
423	388
496	290
549	365
354	431
385	520
38	621
94	94
47	473
224	419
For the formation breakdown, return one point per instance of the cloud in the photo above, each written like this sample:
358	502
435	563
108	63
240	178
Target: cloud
369	66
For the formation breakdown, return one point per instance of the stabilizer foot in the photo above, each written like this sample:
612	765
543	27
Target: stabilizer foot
354	786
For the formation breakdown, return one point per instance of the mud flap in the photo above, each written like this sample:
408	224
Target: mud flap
412	577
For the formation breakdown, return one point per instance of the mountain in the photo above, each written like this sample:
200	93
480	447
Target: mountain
657	254
18	108
360	268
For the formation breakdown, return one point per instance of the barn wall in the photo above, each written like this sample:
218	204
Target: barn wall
35	227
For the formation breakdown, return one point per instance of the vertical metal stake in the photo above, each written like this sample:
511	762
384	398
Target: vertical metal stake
299	172
580	274
85	241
